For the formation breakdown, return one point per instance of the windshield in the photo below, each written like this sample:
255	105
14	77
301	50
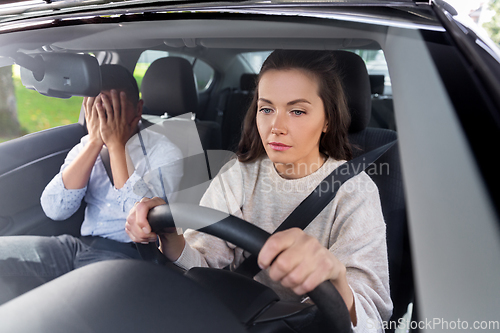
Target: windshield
409	91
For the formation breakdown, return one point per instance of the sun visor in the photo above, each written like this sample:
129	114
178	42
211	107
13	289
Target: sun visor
60	75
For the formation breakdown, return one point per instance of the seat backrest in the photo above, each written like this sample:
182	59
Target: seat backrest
169	89
168	86
382	115
377	82
235	107
386	173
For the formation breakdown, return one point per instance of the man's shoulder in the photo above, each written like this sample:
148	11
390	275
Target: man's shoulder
159	143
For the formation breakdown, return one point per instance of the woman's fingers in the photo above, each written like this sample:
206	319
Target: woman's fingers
137	235
297	260
310	282
314	269
137	225
292	266
274	246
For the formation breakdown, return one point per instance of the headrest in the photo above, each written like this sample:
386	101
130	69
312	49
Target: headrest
248	82
169	86
357	88
119	78
377	84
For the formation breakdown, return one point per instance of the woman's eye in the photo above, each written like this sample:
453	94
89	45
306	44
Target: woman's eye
297	112
266	110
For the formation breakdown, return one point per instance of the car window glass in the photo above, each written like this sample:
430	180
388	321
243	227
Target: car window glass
204	73
25	111
376	65
255	59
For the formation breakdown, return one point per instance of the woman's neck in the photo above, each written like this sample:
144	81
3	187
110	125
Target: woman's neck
300	169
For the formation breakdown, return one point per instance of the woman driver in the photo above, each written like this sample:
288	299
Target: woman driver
294	135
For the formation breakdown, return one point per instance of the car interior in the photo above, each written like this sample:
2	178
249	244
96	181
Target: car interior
170	89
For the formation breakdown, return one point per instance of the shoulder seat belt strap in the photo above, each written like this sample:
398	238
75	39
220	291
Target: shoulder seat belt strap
106	160
107	164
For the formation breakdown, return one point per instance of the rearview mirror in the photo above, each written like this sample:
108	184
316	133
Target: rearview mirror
60	74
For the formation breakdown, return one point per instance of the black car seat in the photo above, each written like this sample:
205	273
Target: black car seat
382	106
386	173
234	105
170	99
168	89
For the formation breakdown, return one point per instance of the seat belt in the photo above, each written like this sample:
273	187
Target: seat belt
322	195
107	164
105	153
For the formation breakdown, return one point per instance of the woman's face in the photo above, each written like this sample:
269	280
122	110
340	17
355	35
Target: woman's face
290	120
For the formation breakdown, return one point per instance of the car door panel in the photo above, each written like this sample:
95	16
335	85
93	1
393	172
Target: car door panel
26	167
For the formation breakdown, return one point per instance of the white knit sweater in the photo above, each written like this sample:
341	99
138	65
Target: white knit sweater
351	227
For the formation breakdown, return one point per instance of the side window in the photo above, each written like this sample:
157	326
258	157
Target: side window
376	65
255	59
203	72
24	111
382	115
204	75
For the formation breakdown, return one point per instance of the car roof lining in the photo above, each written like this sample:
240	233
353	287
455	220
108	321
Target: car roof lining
178	34
209	33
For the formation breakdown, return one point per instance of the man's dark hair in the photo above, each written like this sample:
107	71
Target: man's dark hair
119	78
322	65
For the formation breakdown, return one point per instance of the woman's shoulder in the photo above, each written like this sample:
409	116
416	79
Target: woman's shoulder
361	176
361	184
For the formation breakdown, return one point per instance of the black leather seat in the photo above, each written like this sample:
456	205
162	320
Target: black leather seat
168	89
386	173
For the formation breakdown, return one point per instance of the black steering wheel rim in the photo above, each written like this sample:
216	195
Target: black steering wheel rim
250	238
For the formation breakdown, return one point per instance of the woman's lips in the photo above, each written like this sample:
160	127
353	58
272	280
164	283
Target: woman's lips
279	146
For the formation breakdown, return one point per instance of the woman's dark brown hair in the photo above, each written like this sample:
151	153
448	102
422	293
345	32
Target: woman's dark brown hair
322	65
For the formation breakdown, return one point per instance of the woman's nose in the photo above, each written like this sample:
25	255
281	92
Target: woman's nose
278	126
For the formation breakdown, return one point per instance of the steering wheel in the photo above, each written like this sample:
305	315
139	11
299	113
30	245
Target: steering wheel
250	238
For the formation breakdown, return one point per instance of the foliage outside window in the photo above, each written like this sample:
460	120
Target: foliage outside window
25	111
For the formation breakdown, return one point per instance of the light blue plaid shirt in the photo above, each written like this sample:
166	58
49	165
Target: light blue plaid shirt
157	172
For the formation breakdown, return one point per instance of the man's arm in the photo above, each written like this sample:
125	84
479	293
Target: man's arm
77	174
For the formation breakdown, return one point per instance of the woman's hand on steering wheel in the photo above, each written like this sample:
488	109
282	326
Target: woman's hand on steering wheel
252	239
139	230
301	263
137	225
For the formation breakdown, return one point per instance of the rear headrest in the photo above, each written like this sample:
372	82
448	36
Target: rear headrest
377	84
357	88
248	82
169	86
